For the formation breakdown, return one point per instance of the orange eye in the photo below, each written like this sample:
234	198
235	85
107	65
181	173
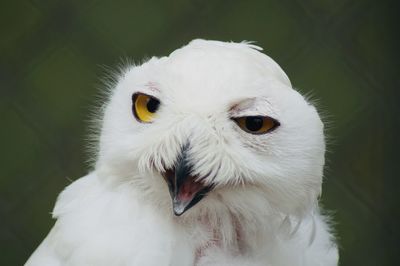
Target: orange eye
256	124
144	107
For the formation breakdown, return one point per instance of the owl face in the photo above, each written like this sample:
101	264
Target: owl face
213	117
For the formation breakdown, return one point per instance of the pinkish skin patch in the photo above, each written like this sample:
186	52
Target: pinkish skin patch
215	240
189	189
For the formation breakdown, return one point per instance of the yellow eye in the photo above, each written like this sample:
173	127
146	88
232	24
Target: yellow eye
144	107
256	124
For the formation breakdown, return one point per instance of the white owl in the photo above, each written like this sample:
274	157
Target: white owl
217	128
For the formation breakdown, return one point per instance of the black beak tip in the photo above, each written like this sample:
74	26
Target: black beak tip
178	213
179	208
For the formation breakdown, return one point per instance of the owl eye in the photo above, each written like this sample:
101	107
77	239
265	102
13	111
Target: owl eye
256	124
144	107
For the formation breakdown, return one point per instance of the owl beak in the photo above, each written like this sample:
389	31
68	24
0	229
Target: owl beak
186	190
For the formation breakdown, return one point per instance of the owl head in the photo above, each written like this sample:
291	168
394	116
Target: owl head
211	120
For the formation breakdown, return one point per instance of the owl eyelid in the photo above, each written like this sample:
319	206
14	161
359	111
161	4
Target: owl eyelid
136	94
233	117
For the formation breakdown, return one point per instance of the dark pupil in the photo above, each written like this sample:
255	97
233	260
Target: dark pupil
152	105
254	123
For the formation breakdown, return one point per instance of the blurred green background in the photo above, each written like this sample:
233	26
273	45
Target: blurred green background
52	57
